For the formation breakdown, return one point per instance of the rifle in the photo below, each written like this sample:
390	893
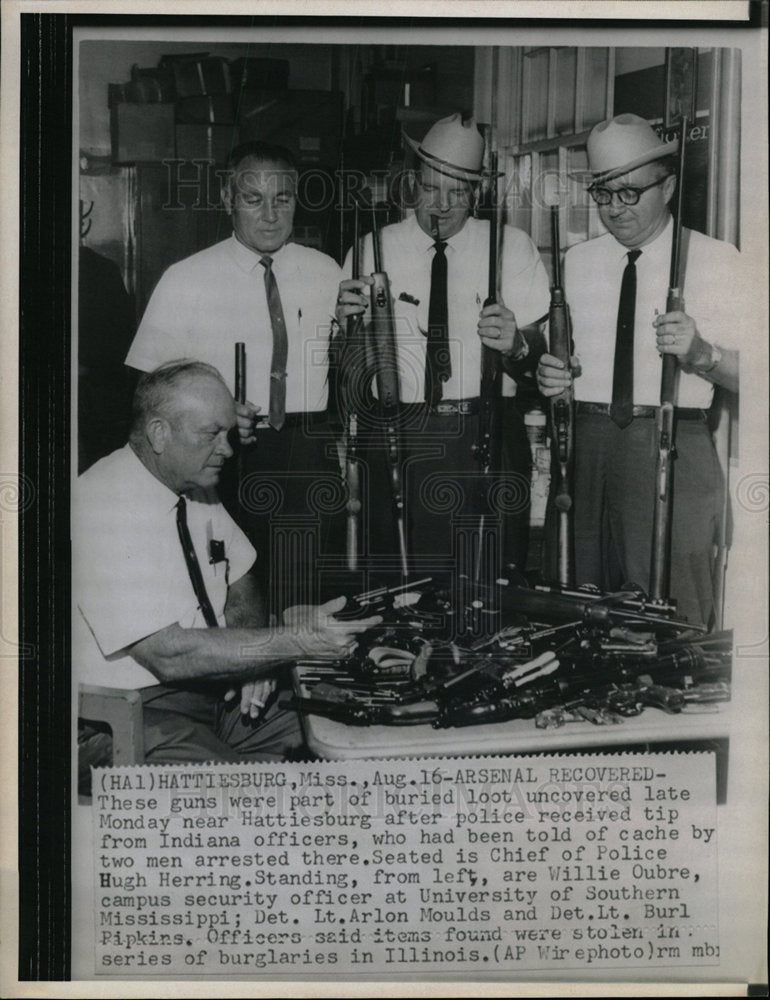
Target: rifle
351	371
488	447
561	605
383	335
562	412
660	564
240	372
240	397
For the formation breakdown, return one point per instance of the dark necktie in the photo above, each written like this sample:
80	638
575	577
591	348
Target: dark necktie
438	365
622	406
280	347
193	566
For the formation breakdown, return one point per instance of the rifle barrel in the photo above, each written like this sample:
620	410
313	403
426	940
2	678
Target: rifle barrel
240	372
489	442
562	413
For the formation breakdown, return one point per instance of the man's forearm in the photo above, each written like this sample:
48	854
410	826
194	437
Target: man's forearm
178	654
726	372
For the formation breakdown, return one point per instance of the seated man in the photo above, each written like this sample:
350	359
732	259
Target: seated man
164	599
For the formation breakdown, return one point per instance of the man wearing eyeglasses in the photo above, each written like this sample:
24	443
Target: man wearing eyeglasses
437	261
616	286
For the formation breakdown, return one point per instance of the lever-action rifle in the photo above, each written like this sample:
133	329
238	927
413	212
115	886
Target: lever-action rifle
660	563
488	447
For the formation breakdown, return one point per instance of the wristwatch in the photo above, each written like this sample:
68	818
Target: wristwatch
708	361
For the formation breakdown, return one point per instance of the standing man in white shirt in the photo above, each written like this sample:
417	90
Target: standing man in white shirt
277	297
441	400
617	380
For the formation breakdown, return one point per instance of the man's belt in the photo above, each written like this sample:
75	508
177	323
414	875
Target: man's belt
293	420
603	409
447	407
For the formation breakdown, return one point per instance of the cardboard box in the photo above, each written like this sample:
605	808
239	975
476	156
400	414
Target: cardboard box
214	109
254	73
142	133
205	142
308	122
198	74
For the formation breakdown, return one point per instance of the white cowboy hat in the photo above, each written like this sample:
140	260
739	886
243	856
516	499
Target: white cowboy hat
622	144
452	147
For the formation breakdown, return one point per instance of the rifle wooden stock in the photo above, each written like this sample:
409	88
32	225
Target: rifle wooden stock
562	414
660	562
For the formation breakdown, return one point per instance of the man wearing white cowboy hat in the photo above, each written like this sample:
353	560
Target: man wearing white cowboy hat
616	286
437	261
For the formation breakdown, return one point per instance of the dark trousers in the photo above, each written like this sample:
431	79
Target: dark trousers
290	501
445	493
614	504
199	726
183	726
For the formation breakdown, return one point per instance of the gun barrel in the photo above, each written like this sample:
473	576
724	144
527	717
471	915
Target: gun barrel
562	413
555	244
660	561
240	372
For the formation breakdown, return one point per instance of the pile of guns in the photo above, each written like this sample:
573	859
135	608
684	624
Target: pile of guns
565	654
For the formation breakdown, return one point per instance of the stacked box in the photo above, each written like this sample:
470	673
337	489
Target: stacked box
142	133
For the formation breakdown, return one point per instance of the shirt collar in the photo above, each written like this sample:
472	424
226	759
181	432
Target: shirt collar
659	249
148	492
424	241
247	259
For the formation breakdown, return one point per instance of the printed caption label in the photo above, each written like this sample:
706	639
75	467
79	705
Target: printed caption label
480	865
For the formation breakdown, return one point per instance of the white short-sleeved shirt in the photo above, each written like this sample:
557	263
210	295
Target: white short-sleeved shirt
203	305
130	578
593	272
407	258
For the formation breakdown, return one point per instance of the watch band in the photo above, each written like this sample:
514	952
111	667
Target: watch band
715	356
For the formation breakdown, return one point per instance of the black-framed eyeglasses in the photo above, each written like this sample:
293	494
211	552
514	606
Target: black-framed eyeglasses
625	195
